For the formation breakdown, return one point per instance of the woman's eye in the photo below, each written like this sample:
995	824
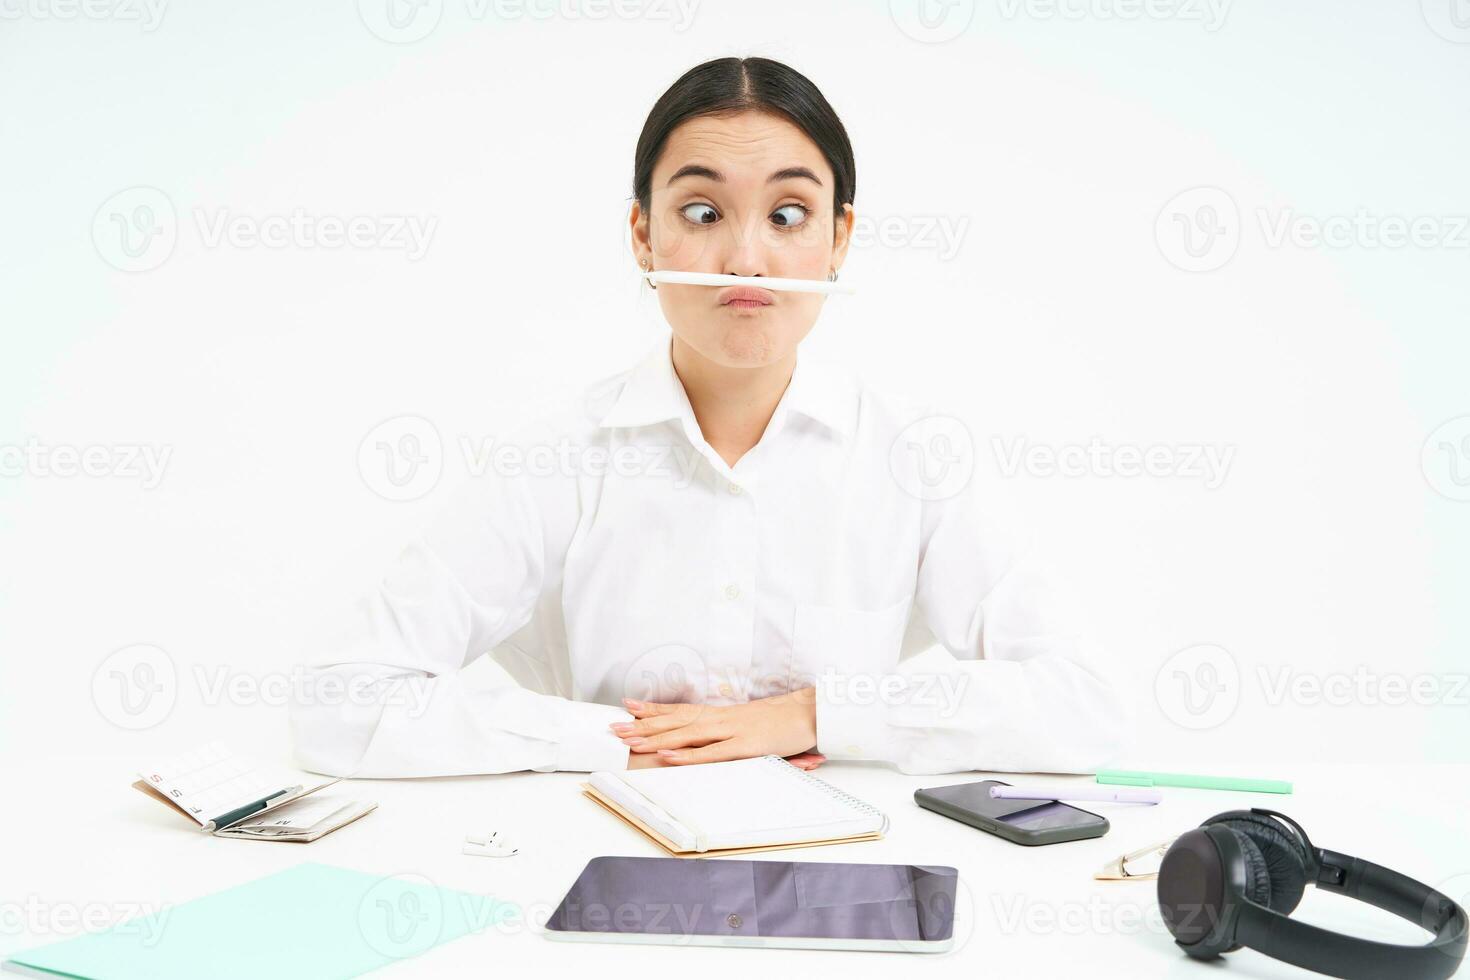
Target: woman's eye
700	214
790	215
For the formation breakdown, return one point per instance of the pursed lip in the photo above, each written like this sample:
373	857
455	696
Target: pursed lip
745	296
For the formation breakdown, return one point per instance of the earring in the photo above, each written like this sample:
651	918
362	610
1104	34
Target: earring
648	267
831	275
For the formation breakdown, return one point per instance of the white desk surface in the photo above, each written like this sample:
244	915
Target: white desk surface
80	843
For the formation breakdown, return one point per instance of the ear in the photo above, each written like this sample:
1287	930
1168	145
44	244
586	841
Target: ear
842	234
638	229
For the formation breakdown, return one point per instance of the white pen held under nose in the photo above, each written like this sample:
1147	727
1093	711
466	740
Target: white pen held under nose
762	282
1104	794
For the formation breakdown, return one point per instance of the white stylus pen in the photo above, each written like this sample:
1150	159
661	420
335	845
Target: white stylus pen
1106	794
761	282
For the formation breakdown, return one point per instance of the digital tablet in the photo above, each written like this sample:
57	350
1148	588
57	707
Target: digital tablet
779	904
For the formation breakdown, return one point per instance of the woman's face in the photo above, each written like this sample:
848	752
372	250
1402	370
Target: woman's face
746	195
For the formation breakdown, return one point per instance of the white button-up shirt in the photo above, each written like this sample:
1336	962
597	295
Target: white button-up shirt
610	552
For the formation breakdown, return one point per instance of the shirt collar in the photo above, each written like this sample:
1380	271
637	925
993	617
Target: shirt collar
653	393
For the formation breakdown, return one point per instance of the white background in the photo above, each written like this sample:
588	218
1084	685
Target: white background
1024	163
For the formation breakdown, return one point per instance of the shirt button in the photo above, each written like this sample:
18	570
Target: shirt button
854	749
736	490
732	591
726	690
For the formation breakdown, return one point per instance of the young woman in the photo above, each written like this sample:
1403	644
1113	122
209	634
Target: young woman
737	552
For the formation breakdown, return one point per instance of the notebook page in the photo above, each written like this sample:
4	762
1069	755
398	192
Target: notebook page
210	781
751	802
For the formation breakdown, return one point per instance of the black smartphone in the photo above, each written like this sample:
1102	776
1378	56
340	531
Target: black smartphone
1027	822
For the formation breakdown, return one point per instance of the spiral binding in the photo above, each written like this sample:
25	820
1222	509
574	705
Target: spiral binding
847	798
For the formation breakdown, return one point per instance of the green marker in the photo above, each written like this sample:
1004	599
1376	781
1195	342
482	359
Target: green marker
1126	777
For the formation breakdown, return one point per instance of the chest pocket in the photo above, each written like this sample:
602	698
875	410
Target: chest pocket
848	640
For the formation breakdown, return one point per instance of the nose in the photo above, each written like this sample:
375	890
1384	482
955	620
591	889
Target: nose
747	252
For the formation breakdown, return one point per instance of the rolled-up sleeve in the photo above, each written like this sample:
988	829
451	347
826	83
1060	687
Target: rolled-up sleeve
391	698
1014	684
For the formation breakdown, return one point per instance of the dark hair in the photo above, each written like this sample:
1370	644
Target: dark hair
730	85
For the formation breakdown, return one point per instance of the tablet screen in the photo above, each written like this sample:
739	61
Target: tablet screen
887	906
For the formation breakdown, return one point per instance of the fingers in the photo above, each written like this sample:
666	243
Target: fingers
724	751
643	709
699	733
807	760
668	718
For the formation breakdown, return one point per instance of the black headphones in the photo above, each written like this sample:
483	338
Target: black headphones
1234	880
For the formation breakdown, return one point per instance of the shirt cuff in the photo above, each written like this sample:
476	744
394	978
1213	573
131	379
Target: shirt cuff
585	744
850	727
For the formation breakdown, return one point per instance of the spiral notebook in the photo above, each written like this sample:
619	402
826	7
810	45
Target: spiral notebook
736	807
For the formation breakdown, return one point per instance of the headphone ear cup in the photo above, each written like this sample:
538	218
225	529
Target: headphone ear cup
1283	854
1257	873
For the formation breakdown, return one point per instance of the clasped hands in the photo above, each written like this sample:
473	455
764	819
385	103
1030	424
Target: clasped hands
683	734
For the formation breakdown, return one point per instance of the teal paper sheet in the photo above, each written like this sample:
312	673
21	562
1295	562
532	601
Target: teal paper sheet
312	921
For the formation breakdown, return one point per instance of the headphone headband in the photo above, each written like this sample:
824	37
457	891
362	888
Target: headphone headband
1340	955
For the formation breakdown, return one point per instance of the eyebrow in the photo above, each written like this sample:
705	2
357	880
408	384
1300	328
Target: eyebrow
785	173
